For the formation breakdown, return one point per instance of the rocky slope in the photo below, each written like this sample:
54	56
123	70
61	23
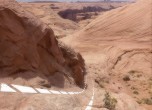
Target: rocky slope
28	46
116	48
119	45
30	55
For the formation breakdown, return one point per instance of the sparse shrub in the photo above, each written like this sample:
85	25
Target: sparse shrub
150	92
150	84
107	81
133	88
150	79
139	101
128	85
109	102
139	75
126	78
147	101
136	92
132	71
100	83
95	73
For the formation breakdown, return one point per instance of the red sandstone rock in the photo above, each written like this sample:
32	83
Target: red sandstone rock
27	44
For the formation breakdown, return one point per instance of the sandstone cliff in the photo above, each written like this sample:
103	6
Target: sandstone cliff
27	44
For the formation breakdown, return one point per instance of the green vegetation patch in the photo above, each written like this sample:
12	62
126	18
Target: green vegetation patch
109	102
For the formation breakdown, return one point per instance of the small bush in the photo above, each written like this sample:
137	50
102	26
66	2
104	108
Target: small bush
99	83
126	78
109	102
147	101
133	88
139	75
139	101
136	92
150	84
132	71
150	79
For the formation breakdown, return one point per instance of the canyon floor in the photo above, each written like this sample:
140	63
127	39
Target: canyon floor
106	53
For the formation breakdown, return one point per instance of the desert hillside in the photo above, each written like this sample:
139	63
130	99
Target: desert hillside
130	22
60	26
127	22
102	61
67	18
119	45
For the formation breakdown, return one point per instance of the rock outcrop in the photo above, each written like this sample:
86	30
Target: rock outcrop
84	13
27	44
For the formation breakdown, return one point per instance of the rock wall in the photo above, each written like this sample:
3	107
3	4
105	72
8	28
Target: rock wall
84	13
27	44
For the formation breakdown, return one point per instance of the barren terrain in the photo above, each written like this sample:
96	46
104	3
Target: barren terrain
66	18
119	44
107	56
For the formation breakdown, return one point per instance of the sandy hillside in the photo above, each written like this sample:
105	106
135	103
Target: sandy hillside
125	23
114	65
66	18
60	26
118	44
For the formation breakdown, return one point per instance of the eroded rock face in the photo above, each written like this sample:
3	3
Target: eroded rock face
75	62
27	44
82	14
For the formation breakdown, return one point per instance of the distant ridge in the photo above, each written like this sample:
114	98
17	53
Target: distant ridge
44	1
78	1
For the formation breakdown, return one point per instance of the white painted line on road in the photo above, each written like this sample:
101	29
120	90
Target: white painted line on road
76	93
24	89
6	88
63	92
81	91
71	93
89	107
54	92
43	91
